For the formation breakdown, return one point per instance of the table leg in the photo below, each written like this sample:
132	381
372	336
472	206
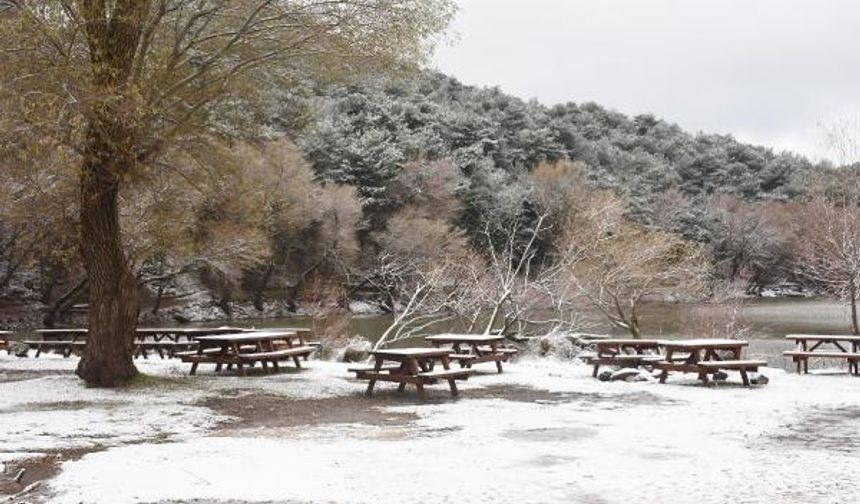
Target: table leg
463	363
494	348
414	367
421	392
745	378
446	365
376	369
665	372
240	368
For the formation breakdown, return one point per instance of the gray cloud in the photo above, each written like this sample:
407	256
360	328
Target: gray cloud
766	71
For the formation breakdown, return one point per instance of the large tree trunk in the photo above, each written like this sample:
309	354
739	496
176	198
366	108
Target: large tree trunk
113	309
110	153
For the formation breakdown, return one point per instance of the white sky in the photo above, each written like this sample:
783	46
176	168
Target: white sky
767	71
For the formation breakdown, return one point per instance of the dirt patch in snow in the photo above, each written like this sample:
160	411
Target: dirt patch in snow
36	470
16	375
832	429
526	394
216	501
272	411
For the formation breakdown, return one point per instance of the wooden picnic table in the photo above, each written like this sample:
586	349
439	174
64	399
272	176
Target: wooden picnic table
835	346
163	340
706	357
4	341
624	353
169	340
411	366
469	349
305	332
247	348
64	340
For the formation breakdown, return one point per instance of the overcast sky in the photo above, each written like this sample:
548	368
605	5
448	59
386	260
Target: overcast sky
767	71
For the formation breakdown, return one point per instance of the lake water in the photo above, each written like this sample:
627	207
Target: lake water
767	320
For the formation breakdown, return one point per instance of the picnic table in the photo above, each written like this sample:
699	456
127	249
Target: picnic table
469	349
166	341
835	347
624	353
63	340
706	357
411	366
169	340
4	341
247	348
305	332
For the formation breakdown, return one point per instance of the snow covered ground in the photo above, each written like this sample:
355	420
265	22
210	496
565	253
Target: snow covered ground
542	432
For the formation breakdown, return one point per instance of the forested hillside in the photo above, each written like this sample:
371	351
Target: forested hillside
355	191
363	135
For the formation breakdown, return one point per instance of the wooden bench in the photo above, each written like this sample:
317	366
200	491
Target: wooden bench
64	347
623	353
420	379
711	367
365	369
188	353
456	374
504	350
801	358
276	355
623	361
215	356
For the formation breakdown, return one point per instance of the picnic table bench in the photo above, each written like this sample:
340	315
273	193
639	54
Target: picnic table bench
247	348
470	349
411	366
706	357
623	353
4	341
836	347
64	341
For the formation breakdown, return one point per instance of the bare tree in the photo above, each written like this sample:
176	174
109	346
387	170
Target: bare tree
829	250
624	264
119	84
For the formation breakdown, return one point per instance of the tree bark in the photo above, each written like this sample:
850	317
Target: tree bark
855	327
113	309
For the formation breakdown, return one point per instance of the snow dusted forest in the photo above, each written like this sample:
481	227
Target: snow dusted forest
321	195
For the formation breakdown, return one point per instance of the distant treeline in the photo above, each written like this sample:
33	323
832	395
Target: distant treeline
363	136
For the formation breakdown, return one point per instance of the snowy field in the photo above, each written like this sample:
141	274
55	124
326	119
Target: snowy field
542	432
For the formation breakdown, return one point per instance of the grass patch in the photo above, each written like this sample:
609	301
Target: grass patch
145	381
